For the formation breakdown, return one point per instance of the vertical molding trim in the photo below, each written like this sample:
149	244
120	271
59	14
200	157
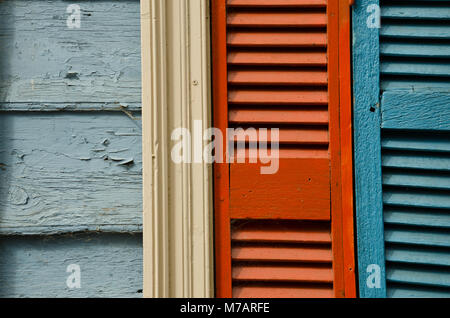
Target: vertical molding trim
178	244
367	149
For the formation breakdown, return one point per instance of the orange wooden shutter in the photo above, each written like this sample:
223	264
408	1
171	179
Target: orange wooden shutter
285	64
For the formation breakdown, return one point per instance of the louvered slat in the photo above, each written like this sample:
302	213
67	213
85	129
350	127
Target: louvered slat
281	259
275	19
415	44
265	290
273	116
416	197
307	254
276	4
276	58
278	78
281	232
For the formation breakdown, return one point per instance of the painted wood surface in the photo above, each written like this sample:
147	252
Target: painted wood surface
301	186
222	231
282	259
416	110
44	65
414	45
70	172
413	121
178	212
76	170
35	266
274	75
367	143
416	192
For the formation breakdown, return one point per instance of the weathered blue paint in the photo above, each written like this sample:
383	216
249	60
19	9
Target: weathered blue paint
47	66
35	266
67	163
416	110
70	172
367	145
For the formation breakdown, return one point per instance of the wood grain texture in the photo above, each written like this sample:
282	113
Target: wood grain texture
223	281
346	135
367	153
301	188
416	110
70	172
47	66
110	265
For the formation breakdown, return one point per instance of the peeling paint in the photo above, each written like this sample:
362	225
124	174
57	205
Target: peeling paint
17	196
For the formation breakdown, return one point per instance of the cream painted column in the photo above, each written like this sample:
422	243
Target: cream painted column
178	244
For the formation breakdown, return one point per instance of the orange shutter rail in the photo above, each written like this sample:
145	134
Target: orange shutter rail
285	64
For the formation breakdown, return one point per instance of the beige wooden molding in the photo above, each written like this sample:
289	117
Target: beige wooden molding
178	248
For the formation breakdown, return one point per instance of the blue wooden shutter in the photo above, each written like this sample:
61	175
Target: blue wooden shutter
410	123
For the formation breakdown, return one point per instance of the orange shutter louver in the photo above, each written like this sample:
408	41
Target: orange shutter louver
276	65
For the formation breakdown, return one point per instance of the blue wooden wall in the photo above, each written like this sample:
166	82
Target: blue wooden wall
70	149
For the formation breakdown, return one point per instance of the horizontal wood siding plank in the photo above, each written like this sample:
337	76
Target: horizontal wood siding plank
110	265
70	172
52	67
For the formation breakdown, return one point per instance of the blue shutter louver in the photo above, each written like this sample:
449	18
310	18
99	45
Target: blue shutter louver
415	145
415	44
416	199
